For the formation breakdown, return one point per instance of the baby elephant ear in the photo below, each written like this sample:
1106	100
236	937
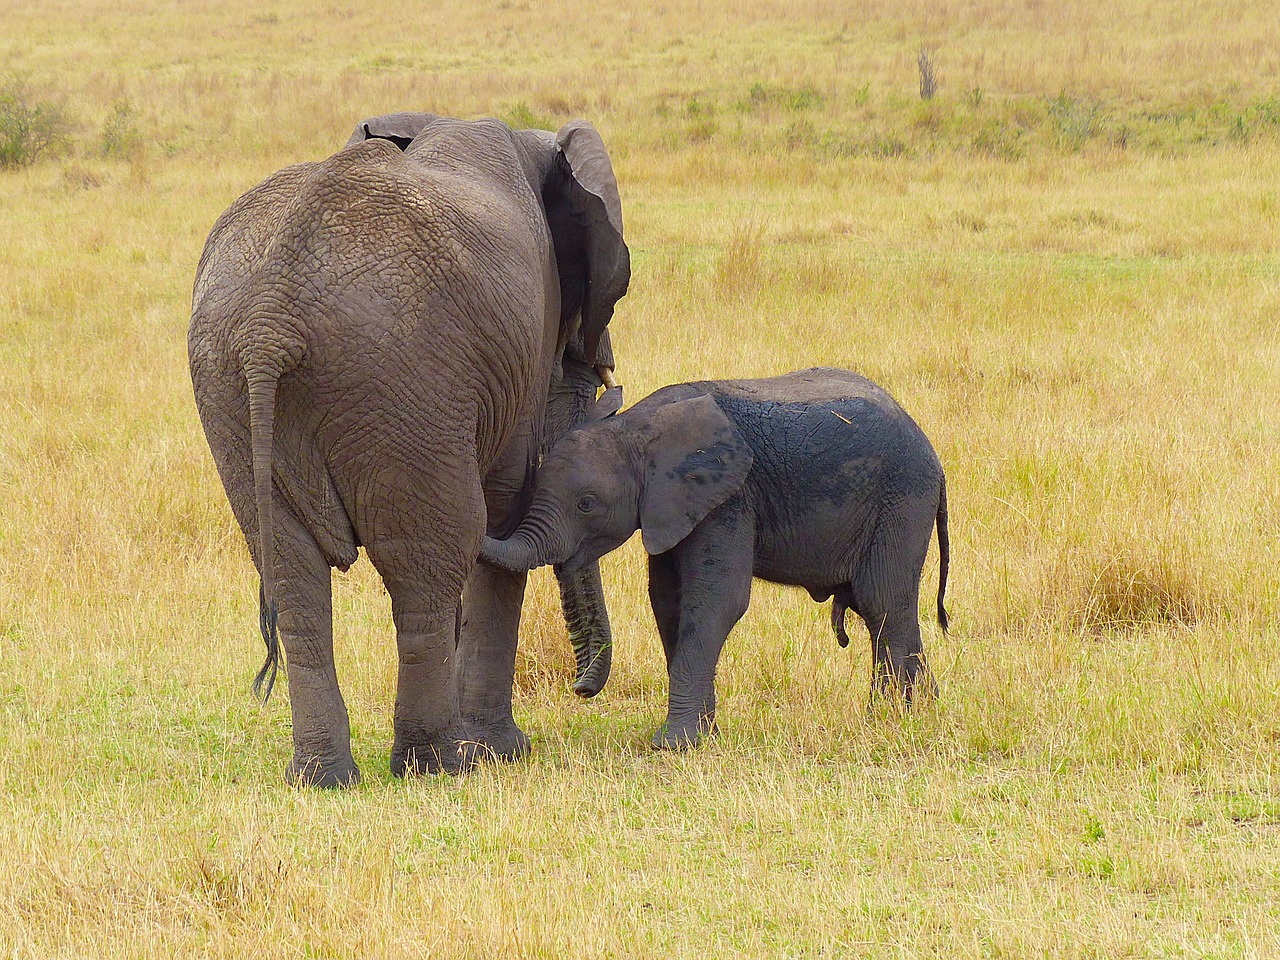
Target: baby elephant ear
696	461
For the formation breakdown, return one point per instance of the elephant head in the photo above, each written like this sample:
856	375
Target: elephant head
572	172
659	467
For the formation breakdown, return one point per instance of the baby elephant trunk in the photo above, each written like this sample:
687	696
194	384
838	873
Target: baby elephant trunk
537	541
518	553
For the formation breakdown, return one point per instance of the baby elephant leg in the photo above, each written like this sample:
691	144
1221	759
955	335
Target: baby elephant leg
887	595
713	565
899	668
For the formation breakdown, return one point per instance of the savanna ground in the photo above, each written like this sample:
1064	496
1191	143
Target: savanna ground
1066	265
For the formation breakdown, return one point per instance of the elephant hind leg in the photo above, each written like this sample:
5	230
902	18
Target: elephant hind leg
425	597
423	557
486	663
898	662
886	594
428	729
321	728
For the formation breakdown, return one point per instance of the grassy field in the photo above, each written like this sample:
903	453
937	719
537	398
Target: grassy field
1065	265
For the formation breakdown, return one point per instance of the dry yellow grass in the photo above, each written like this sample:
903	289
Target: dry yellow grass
1065	266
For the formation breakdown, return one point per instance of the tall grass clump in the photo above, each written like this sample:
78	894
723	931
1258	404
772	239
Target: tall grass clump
1075	119
927	64
741	269
796	99
1127	585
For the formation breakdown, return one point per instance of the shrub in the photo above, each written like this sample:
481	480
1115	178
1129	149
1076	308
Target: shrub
522	117
883	148
27	126
120	138
1075	119
998	140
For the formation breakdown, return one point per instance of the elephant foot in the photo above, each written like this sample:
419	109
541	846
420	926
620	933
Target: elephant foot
444	755
494	741
683	735
907	688
315	772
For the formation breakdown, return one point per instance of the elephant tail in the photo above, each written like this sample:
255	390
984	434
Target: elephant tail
944	555
262	380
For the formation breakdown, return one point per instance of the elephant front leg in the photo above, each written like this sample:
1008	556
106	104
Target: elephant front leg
321	729
491	603
714	565
487	662
664	598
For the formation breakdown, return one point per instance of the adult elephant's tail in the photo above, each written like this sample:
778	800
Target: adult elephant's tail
944	555
262	379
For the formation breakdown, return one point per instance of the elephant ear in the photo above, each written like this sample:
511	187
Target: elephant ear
606	406
696	461
399	128
585	217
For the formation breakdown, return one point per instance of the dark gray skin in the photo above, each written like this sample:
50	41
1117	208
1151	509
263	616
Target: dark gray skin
816	479
374	340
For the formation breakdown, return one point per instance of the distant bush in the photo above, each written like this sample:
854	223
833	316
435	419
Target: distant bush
882	147
803	136
789	98
975	121
799	135
28	126
120	137
522	117
998	140
1075	120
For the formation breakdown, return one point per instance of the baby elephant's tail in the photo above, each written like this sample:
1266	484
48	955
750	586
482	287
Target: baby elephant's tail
944	555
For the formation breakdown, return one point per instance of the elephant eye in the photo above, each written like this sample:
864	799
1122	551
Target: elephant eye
587	504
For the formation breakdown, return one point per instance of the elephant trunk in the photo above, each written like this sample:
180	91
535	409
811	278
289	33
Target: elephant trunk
535	543
581	596
517	553
582	599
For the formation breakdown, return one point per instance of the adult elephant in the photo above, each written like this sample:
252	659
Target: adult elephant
373	341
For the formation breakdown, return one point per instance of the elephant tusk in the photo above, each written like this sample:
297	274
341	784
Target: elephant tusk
606	377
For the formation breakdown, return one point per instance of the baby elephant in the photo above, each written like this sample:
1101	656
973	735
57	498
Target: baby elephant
816	479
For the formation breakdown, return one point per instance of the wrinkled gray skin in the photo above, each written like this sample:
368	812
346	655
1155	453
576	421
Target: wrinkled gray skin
373	341
816	479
